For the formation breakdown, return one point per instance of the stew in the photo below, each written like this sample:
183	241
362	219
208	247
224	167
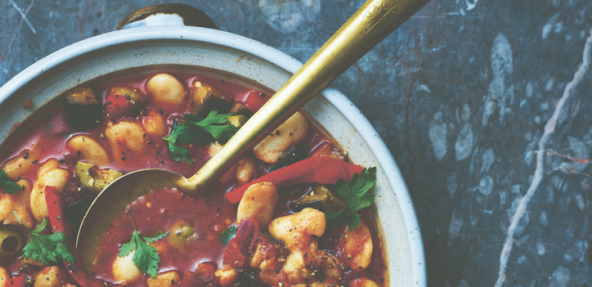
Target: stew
293	212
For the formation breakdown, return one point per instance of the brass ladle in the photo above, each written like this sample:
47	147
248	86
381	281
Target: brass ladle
365	29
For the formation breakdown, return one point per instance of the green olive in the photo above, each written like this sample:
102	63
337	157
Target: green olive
11	242
180	234
94	178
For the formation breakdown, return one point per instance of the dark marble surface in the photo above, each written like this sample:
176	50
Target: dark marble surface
485	105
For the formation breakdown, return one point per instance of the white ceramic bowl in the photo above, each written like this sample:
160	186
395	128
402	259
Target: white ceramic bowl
242	60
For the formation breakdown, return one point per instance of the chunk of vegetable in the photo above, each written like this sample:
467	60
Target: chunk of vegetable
206	98
296	154
134	96
170	278
237	121
227	275
51	276
240	109
12	242
94	178
204	275
295	230
319	198
57	178
81	108
268	253
322	170
237	252
180	234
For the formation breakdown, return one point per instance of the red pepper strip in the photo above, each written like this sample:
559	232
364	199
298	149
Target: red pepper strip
323	170
17	281
60	224
255	100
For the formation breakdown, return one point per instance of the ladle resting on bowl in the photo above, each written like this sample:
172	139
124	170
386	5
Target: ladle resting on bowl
365	29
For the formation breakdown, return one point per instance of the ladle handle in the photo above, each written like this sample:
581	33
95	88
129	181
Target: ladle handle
365	29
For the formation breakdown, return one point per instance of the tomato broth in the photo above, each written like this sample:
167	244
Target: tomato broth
47	135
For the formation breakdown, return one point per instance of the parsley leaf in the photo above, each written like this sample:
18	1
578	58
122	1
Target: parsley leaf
9	186
200	131
177	152
145	258
227	235
46	248
356	196
216	125
336	219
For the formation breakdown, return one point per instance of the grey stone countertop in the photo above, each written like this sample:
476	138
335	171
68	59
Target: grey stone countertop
485	105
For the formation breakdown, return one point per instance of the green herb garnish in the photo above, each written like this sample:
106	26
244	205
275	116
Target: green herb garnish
8	185
146	258
200	131
227	235
356	196
178	152
46	248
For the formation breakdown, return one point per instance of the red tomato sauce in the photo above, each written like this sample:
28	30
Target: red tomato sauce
154	213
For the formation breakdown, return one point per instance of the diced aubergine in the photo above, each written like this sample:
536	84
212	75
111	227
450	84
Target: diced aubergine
206	99
82	110
319	198
246	279
241	109
297	153
94	178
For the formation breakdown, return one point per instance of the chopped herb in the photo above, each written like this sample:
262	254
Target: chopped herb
8	185
356	196
227	235
177	152
216	125
46	248
145	258
200	131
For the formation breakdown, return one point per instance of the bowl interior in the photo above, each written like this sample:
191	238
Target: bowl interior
146	56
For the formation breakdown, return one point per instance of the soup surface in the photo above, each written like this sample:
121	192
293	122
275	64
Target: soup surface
277	218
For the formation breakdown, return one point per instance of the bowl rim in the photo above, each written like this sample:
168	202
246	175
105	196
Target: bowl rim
275	57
